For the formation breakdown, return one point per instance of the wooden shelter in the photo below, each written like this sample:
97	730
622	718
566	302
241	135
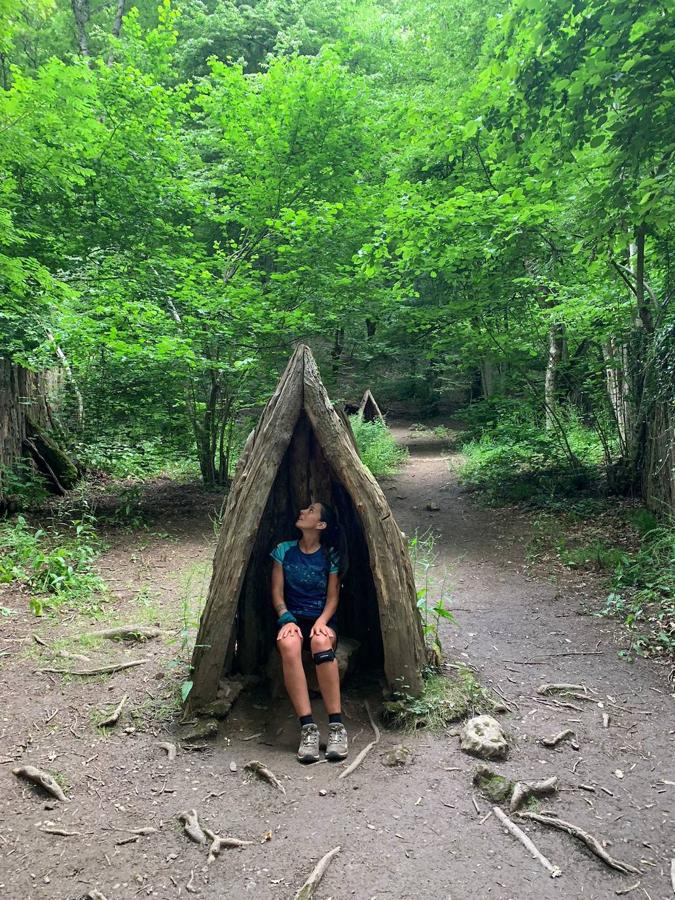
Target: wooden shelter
369	410
301	450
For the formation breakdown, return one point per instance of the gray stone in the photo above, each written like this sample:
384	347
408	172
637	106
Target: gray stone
397	756
483	736
205	728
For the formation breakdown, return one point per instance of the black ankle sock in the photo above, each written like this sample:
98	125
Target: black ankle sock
335	717
306	720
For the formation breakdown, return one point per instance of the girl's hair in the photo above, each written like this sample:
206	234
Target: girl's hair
332	538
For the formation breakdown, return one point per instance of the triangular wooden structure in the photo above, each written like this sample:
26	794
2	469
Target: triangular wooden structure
369	410
300	451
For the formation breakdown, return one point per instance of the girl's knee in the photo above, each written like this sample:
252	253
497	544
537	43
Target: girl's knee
290	647
321	642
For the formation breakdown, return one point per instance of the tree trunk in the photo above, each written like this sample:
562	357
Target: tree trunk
556	333
81	13
117	26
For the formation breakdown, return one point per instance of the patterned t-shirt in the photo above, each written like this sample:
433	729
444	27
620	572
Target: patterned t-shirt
305	577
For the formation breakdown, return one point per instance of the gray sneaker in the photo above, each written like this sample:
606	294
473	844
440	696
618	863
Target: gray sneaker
338	745
308	751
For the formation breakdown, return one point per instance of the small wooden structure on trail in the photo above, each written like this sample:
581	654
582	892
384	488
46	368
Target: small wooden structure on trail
369	410
301	450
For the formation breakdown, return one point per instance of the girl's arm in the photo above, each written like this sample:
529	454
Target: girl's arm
332	598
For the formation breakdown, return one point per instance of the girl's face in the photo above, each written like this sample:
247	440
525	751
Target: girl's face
310	518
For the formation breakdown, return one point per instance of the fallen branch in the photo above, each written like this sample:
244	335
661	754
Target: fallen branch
189	887
628	889
127	633
556	739
591	842
218	842
261	770
526	842
101	670
366	750
170	749
191	825
306	892
523	790
42	779
115	714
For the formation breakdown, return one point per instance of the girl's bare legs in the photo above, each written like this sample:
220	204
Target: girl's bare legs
327	674
290	648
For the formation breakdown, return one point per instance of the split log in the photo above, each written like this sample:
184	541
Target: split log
261	770
591	842
306	892
42	779
526	842
115	714
191	825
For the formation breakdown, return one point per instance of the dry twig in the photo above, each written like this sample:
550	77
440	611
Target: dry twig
52	828
43	779
591	842
218	842
523	790
366	750
306	892
525	841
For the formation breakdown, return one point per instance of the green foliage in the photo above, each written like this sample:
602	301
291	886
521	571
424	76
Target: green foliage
22	486
432	609
643	593
517	461
377	448
444	699
53	564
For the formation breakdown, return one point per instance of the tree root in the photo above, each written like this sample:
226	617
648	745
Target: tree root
218	842
556	739
93	894
127	633
591	842
42	779
560	688
191	825
115	714
53	828
261	770
523	790
101	670
366	750
526	842
170	749
306	892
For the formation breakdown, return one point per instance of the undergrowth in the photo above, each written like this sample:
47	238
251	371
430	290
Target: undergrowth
377	448
55	564
444	699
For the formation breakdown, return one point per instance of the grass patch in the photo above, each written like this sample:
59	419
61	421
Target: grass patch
444	700
54	563
377	448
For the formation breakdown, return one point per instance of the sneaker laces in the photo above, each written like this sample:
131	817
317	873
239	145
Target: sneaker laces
335	732
308	736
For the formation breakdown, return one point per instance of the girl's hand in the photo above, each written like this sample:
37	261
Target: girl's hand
320	627
289	630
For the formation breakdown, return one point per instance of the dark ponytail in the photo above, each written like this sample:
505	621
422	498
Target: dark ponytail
332	539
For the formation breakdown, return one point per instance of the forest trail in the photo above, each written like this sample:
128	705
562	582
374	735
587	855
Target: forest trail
418	831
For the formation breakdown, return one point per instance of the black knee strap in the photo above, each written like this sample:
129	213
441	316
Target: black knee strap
324	656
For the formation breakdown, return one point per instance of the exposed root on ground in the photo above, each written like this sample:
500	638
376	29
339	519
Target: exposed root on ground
306	892
42	779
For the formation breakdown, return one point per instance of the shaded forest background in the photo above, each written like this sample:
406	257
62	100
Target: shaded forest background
463	206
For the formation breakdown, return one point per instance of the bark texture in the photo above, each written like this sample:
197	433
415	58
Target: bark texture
302	450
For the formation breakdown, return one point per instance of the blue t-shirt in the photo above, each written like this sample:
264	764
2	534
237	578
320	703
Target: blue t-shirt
305	577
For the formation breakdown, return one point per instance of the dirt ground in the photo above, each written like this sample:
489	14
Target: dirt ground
417	831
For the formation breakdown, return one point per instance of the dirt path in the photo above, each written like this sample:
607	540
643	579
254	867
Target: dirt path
404	832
